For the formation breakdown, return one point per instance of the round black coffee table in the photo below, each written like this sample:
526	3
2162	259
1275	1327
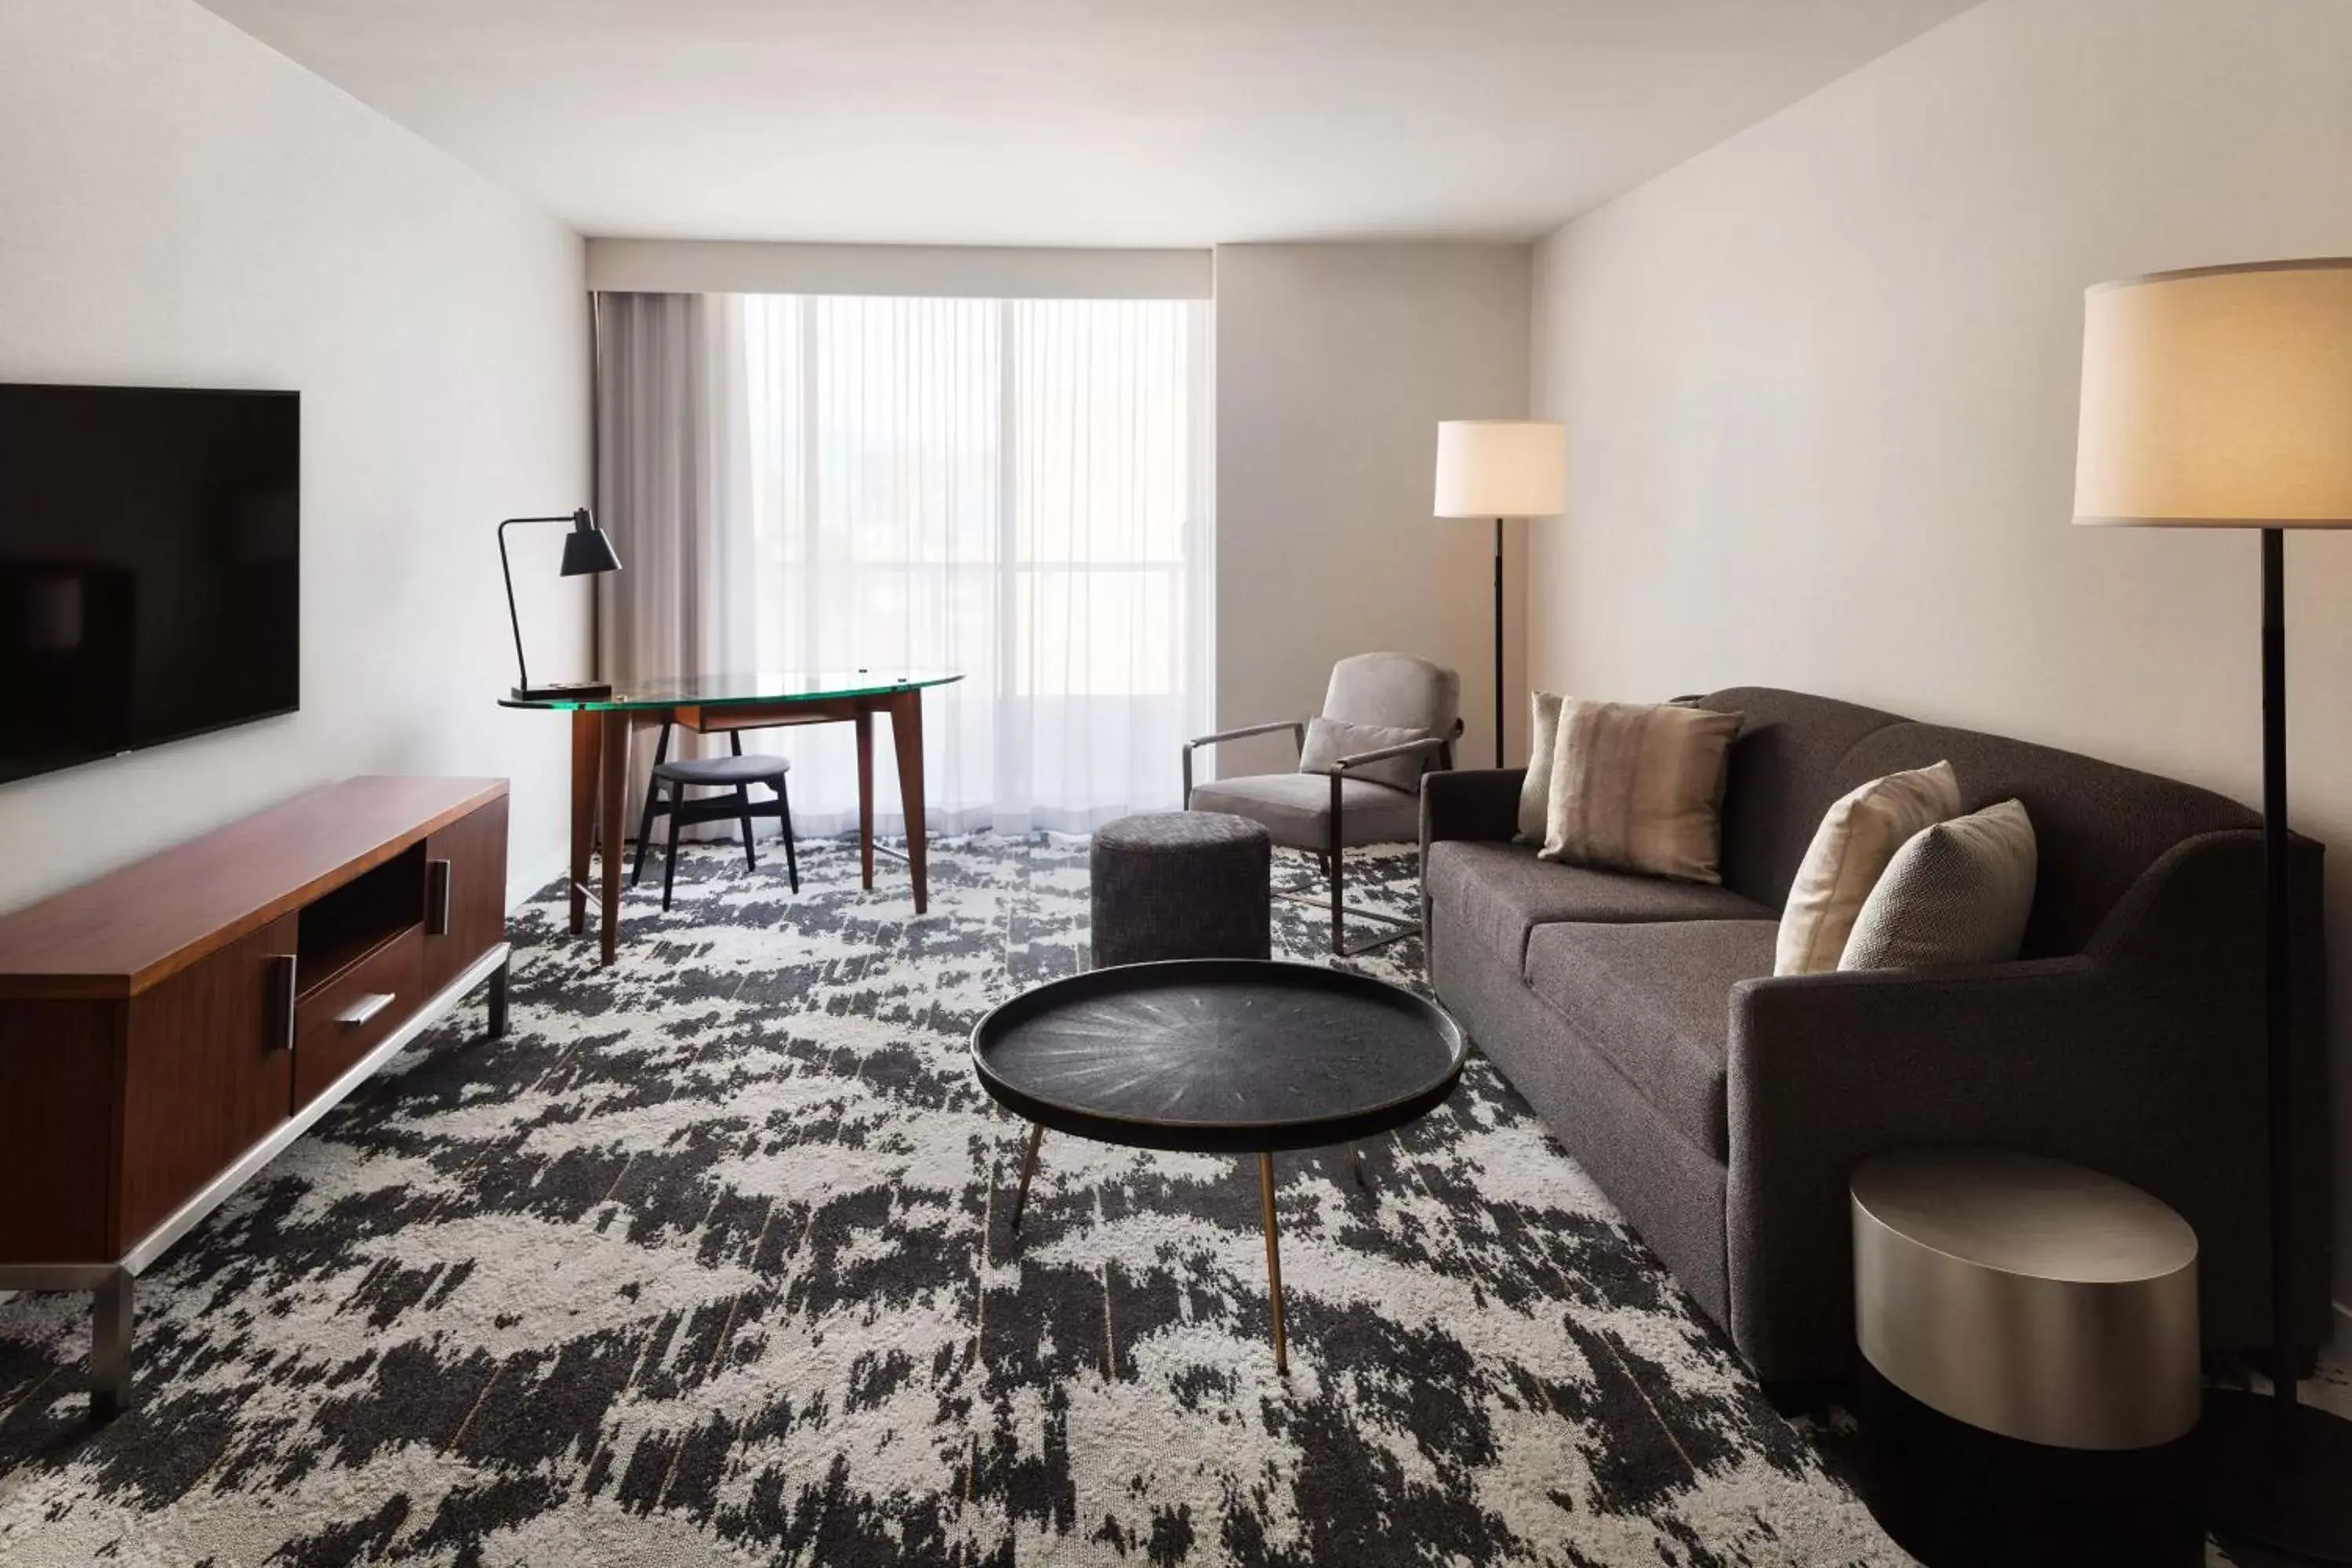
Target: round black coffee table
1218	1055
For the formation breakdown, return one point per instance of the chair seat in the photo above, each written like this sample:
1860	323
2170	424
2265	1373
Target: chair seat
1296	808
718	772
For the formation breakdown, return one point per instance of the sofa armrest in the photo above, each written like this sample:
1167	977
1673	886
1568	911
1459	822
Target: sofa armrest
1470	803
2142	1058
1826	1071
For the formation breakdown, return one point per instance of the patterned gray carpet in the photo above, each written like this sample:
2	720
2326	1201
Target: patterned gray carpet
707	1263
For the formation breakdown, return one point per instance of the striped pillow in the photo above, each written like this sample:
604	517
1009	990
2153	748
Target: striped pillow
1639	788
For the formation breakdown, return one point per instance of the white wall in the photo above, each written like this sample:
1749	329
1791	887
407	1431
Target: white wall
1334	363
181	206
1821	387
927	271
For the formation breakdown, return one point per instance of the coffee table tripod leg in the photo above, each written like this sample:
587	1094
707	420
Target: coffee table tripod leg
1356	1159
1273	1259
1028	1169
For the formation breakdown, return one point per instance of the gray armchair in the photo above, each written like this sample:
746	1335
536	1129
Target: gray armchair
1350	789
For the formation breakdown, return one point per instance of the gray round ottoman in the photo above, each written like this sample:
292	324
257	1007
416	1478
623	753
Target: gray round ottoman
1182	884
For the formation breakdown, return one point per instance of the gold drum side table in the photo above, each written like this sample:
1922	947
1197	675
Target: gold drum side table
2029	1336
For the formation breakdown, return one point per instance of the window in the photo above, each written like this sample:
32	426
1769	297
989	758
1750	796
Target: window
1016	489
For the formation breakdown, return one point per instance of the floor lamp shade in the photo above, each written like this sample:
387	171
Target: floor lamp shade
2218	398
2222	398
1501	468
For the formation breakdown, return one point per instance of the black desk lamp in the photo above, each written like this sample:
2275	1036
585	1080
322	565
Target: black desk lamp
586	552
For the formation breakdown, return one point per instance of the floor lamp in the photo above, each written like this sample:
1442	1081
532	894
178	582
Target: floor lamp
2222	398
1501	469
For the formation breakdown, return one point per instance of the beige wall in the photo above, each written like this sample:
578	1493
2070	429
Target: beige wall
180	205
1821	387
1334	363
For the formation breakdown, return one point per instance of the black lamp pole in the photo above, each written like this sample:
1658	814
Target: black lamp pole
1498	642
586	552
2279	1473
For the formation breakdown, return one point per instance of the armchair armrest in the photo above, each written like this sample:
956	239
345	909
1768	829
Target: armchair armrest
1470	803
1402	748
1297	727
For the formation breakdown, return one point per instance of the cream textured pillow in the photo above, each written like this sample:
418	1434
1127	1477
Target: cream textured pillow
1535	793
1638	788
1959	892
1850	849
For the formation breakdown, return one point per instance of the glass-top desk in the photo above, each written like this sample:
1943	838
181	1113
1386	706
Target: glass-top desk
600	756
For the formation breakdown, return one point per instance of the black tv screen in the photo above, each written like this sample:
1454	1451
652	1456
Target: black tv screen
149	567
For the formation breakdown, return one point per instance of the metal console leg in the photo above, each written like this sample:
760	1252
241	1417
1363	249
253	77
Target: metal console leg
499	999
1273	1261
110	1346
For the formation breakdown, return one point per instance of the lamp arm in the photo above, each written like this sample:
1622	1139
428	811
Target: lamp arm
514	619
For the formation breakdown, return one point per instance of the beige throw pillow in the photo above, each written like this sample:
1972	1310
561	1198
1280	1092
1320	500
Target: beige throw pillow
1535	791
1850	850
1958	893
1639	788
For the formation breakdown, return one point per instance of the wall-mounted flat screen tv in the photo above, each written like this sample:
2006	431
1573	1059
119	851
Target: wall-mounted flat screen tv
149	567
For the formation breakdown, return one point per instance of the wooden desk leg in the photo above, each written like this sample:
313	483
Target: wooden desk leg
587	740
612	810
865	795
907	737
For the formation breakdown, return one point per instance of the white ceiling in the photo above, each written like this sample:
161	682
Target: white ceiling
1174	123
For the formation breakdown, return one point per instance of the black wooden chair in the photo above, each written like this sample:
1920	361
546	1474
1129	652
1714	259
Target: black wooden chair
735	773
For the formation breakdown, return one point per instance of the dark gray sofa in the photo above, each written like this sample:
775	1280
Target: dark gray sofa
1723	1109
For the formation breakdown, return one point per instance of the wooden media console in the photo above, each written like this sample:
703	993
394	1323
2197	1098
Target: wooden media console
166	1030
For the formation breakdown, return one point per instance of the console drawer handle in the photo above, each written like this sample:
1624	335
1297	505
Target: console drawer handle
282	993
366	1008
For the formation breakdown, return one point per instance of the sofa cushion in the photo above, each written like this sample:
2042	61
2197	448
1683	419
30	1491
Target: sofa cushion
1655	1000
1499	891
1296	808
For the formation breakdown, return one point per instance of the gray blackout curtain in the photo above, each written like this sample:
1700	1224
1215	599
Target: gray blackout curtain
672	489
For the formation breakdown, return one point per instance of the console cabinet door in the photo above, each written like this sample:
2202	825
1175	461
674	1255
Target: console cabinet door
471	917
207	1074
59	1062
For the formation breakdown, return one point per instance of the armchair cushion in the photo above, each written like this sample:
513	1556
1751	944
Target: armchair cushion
1655	1001
1394	689
1296	808
1500	891
1328	740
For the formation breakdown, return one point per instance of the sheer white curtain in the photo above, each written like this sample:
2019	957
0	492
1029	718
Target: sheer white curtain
1014	490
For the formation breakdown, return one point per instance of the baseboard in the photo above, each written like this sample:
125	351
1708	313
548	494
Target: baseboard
523	882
